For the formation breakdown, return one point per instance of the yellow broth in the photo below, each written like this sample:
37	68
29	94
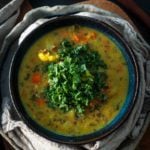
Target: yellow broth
67	123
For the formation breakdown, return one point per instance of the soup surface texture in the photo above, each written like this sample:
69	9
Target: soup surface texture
33	79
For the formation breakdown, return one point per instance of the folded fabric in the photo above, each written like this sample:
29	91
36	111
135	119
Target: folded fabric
130	131
8	17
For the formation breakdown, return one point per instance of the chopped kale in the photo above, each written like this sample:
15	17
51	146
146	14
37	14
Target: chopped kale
78	76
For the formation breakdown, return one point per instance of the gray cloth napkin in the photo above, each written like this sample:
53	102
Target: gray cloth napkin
8	17
129	133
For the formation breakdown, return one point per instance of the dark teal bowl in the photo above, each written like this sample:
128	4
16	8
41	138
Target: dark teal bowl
109	32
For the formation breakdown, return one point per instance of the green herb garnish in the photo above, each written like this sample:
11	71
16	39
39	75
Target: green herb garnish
78	76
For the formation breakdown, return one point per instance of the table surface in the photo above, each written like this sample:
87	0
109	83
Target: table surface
107	5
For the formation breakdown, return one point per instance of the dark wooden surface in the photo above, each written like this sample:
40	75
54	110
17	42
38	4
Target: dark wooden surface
145	141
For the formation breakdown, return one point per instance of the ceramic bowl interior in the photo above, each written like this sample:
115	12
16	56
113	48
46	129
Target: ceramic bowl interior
65	21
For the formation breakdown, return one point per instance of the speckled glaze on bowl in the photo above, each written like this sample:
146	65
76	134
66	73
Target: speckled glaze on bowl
110	33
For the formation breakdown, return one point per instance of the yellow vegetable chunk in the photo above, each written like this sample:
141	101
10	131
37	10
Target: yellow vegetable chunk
42	56
46	56
52	57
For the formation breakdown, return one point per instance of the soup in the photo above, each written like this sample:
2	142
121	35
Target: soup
33	79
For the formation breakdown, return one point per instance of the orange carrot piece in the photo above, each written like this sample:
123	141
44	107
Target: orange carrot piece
40	102
82	38
91	36
75	38
36	78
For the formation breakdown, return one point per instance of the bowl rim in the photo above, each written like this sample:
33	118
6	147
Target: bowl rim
55	136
